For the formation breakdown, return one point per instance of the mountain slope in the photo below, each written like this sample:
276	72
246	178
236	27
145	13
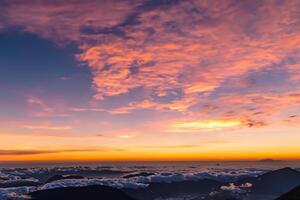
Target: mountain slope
294	194
81	193
167	190
275	182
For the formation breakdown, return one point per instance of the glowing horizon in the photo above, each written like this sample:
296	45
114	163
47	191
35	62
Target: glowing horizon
129	80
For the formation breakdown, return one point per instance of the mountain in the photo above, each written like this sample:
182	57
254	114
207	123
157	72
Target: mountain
294	194
94	192
269	160
167	190
266	186
275	182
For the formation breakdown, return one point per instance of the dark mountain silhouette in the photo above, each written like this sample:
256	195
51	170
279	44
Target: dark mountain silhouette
217	197
164	190
294	194
269	160
275	182
81	193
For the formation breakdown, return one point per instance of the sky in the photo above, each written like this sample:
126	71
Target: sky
121	80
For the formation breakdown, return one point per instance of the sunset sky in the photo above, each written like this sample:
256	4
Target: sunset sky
149	80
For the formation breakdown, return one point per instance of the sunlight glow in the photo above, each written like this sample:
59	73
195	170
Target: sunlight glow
194	126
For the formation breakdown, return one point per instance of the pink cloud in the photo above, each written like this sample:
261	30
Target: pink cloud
206	55
194	47
63	21
54	128
39	107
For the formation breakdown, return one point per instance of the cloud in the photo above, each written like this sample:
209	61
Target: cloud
39	107
132	183
36	152
23	152
237	190
182	57
53	128
196	49
233	187
142	181
16	192
121	183
16	152
191	49
65	21
213	174
292	120
35	101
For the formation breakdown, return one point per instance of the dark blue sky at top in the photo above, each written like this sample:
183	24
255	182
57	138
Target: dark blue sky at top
32	65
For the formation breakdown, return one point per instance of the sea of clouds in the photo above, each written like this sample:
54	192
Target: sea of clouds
15	175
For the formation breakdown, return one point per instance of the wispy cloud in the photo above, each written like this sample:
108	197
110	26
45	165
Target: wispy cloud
54	128
39	107
23	152
32	100
15	152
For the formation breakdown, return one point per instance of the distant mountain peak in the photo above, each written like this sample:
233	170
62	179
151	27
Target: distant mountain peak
285	170
93	192
269	160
